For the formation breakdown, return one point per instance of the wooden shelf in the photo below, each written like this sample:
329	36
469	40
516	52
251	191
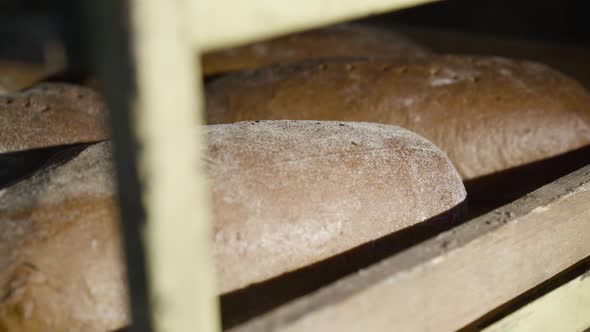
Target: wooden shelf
165	35
441	284
453	279
564	309
223	23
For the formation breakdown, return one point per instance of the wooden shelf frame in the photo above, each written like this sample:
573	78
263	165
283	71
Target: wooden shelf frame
447	282
512	249
224	23
156	125
563	309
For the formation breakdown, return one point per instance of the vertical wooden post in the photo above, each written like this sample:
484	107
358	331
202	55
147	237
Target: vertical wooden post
167	117
150	76
151	82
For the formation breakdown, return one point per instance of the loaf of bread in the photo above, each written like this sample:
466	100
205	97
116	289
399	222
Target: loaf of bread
340	40
487	113
16	75
60	254
51	114
287	194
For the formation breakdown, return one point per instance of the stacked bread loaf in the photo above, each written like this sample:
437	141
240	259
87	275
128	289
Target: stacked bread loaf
309	158
487	113
285	195
51	114
15	75
348	40
60	252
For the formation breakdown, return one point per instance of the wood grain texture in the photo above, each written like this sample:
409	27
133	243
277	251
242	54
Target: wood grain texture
458	276
566	308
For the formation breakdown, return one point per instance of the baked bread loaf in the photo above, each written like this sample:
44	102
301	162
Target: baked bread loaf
487	113
352	40
62	268
51	114
287	194
16	75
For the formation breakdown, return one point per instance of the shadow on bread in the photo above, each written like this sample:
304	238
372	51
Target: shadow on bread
16	166
492	191
244	304
483	195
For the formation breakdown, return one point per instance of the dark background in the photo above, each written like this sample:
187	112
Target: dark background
562	21
27	25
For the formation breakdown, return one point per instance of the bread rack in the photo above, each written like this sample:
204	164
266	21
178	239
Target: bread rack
146	53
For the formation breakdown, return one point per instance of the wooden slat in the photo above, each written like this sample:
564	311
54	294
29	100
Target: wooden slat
566	308
175	193
223	23
453	279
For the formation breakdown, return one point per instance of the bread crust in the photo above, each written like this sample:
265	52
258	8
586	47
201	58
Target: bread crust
287	194
340	40
15	75
60	250
51	114
487	113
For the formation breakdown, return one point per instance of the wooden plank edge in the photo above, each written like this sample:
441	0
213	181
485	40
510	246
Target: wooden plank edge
456	277
529	296
566	308
224	23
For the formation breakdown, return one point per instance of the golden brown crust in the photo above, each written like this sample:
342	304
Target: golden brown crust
15	75
67	274
60	250
488	114
286	194
340	40
51	114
